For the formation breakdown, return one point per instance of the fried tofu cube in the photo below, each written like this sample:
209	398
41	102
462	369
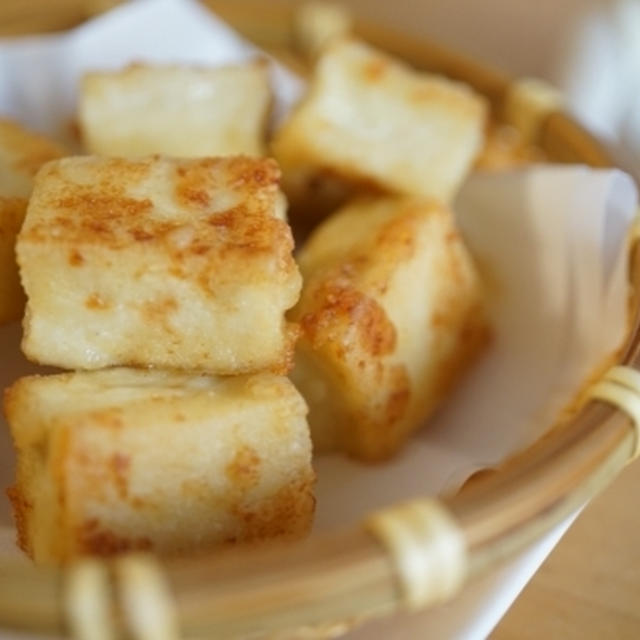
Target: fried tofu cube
178	111
183	264
367	116
122	459
21	155
391	314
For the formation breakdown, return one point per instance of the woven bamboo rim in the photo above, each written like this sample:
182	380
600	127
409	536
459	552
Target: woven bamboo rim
351	575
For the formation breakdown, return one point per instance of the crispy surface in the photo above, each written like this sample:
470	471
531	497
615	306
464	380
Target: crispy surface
369	117
180	111
174	263
21	155
390	315
126	459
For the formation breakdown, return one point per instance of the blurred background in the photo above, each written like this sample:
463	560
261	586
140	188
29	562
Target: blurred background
590	49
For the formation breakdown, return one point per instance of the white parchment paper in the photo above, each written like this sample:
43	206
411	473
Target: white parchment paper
550	242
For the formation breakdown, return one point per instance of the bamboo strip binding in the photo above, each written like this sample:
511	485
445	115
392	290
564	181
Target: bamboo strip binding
620	387
427	548
145	598
87	600
132	589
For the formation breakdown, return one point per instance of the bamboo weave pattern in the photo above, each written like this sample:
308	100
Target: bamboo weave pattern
136	583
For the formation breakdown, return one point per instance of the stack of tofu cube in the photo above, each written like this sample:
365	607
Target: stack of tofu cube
167	284
391	312
162	283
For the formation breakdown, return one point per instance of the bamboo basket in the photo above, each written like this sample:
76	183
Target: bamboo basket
330	582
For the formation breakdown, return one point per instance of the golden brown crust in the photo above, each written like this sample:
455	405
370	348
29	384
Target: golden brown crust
119	464
390	316
258	179
244	470
347	325
288	512
119	460
196	241
338	304
22	509
95	538
104	213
